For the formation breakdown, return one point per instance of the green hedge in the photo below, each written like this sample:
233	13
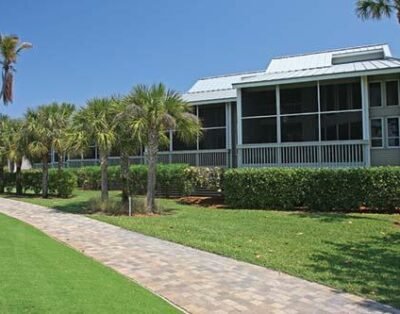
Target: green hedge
177	179
170	178
314	189
60	185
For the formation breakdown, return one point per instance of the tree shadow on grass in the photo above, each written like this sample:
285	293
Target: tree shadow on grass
371	265
334	217
73	207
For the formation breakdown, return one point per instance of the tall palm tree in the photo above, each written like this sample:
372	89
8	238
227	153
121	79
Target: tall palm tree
63	116
154	110
126	143
10	47
377	9
96	123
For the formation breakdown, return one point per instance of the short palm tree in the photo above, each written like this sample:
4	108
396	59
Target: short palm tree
44	130
95	123
377	9
10	47
16	149
154	110
4	127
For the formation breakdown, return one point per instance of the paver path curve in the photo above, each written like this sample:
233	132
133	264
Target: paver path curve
196	281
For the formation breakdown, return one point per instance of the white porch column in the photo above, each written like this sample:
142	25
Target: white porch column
239	126
278	125
228	133
365	119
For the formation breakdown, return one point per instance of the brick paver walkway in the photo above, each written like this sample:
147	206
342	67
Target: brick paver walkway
196	281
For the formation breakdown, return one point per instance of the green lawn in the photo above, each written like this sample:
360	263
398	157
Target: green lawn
358	253
40	275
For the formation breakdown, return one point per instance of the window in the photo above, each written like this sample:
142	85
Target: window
341	126
375	95
392	93
302	128
115	152
213	139
393	135
212	115
90	153
342	96
299	100
74	156
258	102
179	145
213	118
376	133
261	130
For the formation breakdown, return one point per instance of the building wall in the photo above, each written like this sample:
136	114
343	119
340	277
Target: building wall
386	155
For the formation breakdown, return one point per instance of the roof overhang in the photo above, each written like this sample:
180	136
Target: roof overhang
311	78
212	101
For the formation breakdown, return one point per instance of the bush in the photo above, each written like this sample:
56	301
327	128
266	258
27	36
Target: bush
110	207
204	178
315	189
62	186
170	178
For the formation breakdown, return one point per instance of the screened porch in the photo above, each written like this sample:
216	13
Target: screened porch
315	124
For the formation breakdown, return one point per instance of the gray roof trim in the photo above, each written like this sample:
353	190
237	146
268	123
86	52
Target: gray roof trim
321	76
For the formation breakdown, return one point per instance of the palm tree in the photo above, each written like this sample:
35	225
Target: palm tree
95	123
154	110
377	9
63	115
126	143
4	126
10	47
16	149
45	130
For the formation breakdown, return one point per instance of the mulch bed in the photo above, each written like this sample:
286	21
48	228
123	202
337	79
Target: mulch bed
204	201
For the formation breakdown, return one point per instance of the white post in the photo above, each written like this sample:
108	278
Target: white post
365	119
319	156
239	126
278	124
228	129
130	206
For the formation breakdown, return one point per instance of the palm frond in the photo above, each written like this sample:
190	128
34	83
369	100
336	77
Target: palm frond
375	9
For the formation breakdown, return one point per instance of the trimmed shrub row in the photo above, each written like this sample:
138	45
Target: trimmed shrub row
60	185
314	189
171	178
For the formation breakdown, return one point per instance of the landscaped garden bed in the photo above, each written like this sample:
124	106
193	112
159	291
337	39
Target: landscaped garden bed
358	253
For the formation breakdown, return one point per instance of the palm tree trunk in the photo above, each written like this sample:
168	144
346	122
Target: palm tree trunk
104	175
151	173
125	175
45	176
18	177
60	162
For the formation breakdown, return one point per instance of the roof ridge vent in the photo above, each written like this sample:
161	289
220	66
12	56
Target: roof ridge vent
349	57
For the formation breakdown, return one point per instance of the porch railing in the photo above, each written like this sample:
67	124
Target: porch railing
201	158
310	154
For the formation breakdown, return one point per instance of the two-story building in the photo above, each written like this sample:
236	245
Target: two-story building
337	108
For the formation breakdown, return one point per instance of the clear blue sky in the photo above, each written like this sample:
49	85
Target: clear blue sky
90	48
